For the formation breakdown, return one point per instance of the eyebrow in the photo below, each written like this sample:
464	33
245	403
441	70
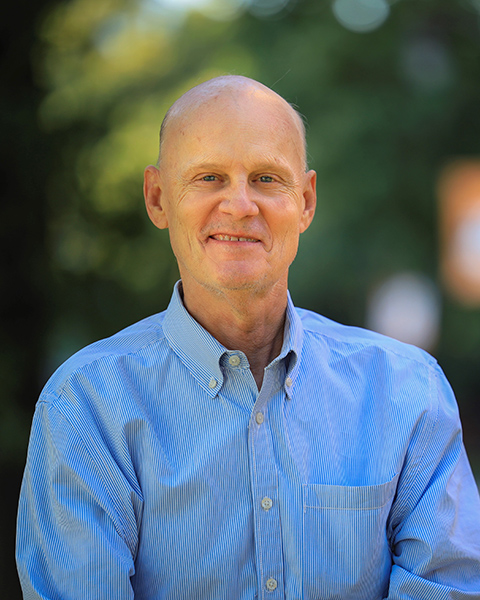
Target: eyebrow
267	164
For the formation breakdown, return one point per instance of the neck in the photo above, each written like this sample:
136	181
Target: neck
248	320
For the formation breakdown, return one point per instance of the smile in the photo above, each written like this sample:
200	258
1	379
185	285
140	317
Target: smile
232	238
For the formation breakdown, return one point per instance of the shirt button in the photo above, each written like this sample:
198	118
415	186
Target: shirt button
271	584
288	382
234	360
212	383
259	418
267	503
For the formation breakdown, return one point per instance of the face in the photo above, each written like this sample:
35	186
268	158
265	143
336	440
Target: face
232	189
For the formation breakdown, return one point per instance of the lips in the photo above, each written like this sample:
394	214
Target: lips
232	238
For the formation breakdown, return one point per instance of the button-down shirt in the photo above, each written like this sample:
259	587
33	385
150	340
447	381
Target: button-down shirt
157	470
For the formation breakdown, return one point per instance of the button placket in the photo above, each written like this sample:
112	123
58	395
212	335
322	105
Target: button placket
268	534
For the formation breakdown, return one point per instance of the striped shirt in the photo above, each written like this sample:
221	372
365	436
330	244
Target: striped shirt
157	470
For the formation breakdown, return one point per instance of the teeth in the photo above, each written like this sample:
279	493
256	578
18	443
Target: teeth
232	238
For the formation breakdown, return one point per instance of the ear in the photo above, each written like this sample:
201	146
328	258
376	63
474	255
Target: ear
153	197
309	200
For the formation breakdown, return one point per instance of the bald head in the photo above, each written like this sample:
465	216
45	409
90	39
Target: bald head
232	188
234	90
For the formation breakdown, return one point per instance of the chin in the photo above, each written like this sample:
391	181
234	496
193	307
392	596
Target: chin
220	281
235	283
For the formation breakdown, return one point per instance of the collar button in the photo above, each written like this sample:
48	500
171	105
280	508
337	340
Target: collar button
234	360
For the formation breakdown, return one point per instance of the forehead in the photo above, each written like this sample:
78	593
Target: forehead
231	122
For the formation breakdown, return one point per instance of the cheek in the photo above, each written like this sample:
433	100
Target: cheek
184	232
285	223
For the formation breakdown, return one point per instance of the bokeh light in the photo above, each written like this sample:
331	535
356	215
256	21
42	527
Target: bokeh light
406	307
361	16
218	10
426	63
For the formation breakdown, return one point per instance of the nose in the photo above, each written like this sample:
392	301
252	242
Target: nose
239	200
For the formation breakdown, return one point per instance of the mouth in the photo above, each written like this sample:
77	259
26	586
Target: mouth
221	237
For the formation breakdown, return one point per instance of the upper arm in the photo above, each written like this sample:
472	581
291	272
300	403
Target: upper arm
436	515
72	539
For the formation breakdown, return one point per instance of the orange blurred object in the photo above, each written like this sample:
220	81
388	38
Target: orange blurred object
459	196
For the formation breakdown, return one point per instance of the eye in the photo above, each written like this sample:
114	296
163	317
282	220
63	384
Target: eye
209	178
266	179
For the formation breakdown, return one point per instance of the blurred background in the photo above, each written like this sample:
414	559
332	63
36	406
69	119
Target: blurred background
391	94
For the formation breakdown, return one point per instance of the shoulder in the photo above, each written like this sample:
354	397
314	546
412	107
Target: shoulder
384	372
136	342
350	340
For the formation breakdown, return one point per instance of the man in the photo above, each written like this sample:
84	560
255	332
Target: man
233	446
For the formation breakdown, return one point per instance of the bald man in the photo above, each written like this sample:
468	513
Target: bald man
234	446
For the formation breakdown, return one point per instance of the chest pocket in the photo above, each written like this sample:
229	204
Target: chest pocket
346	554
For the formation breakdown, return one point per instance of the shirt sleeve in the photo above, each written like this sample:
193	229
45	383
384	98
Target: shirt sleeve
72	539
436	516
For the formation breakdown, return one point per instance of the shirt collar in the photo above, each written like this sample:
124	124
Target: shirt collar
292	346
200	352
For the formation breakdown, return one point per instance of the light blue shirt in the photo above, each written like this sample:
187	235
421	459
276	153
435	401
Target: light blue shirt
157	470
